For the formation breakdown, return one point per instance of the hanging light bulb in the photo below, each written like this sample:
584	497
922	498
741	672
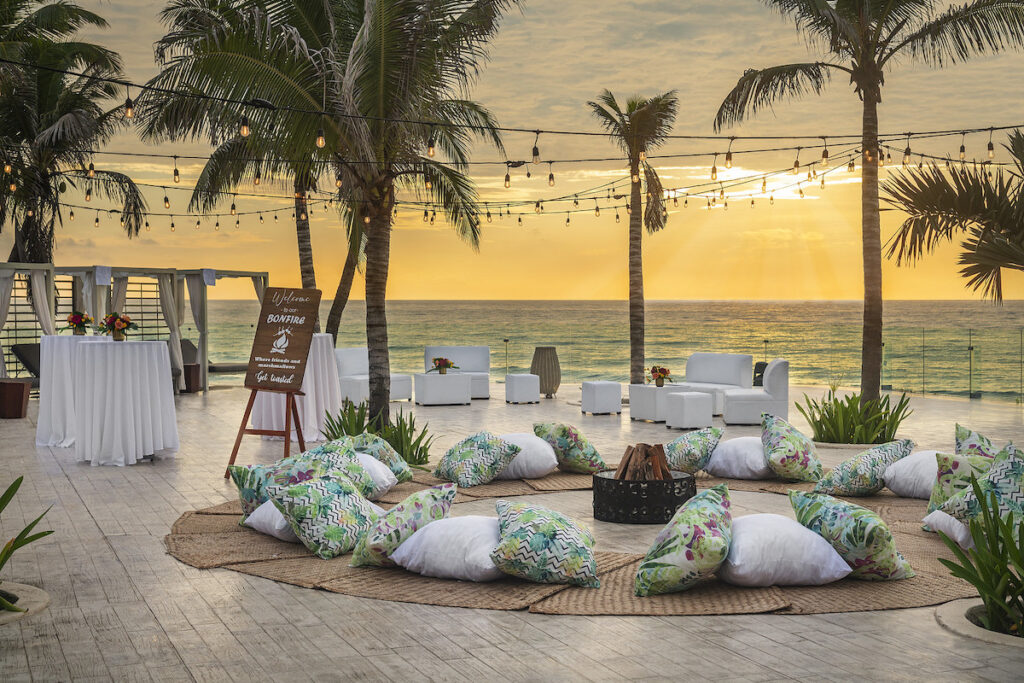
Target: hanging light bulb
725	204
256	178
920	161
176	175
167	201
431	144
7	166
675	201
881	157
96	223
426	183
88	192
567	219
30	213
963	146
721	192
686	201
172	223
233	210
751	202
197	224
888	157
823	181
92	170
576	200
303	216
489	215
636	177
426	215
243	127
796	162
129	107
597	209
520	221
536	207
809	176
508	179
728	156
906	154
764	184
147	226
71	216
801	190
771	199
237	223
216	226
824	152
528	174
851	167
551	175
394	214
366	219
617	218
261	218
275	217
536	149
991	147
337	180
714	168
321	141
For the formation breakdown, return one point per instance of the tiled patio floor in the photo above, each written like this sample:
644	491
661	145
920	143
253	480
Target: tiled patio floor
123	609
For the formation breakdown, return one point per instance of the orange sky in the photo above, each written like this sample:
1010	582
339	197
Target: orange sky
546	64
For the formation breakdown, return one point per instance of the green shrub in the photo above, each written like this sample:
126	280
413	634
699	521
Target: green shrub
412	444
21	540
837	419
995	565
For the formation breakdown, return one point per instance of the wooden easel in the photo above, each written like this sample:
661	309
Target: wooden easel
290	410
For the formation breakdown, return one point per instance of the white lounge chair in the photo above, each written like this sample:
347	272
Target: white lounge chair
354	375
474	361
744	406
716	373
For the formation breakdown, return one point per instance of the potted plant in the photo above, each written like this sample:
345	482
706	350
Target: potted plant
442	365
78	322
660	375
117	324
8	599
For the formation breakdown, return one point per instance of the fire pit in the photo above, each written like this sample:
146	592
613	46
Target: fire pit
642	490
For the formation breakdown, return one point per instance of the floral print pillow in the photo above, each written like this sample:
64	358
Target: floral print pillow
327	514
401	522
864	473
954	476
790	454
476	460
544	546
859	535
574	452
1005	479
691	452
692	546
969	442
339	455
376	446
252	480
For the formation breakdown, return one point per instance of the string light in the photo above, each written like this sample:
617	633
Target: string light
88	192
764	184
881	157
237	224
714	168
851	167
728	154
176	175
796	162
7	166
216	226
567	219
489	215
771	199
536	207
233	209
597	209
321	141
963	146
167	201
906	153
92	170
551	175
256	178
71	216
275	217
991	147
508	177
96	223
751	202
823	181
426	215
261	218
147	226
172	223
536	150
197	224
801	190
824	152
617	218
520	221
129	106
243	127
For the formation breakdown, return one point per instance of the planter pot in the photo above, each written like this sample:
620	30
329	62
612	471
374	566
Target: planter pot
846	446
659	382
30	598
956	617
442	371
78	331
119	335
545	365
14	398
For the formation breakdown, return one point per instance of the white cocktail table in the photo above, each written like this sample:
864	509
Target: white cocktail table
433	389
56	423
647	402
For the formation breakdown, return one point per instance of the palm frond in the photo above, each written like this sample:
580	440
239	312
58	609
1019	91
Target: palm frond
964	31
759	89
655	216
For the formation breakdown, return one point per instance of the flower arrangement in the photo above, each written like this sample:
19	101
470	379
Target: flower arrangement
118	325
659	375
78	322
442	365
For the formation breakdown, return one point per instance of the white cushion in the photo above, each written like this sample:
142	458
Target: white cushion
267	519
739	458
383	478
535	459
772	550
468	358
453	548
951	526
721	368
913	476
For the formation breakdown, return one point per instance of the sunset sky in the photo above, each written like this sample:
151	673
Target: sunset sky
546	63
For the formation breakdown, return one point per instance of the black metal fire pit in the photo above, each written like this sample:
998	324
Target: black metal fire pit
627	501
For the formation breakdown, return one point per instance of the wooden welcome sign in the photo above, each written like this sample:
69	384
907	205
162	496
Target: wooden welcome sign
277	363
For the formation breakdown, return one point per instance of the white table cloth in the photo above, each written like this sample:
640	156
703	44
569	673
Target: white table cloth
435	389
56	424
322	395
124	402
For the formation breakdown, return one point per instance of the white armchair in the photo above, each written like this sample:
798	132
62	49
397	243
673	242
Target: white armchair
354	375
474	361
716	373
744	406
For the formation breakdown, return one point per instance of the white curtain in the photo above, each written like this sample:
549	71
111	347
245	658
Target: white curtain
39	303
86	294
119	294
170	312
259	283
196	300
6	289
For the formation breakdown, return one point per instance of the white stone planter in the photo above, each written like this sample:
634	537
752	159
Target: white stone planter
30	598
953	617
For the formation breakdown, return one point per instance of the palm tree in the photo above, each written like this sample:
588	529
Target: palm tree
863	40
986	210
642	127
48	121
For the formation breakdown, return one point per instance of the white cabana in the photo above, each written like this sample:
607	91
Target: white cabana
40	278
197	281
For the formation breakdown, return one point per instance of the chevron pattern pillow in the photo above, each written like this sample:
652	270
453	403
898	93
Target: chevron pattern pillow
252	480
1005	479
476	460
401	522
544	546
574	451
864	473
327	514
691	452
376	446
790	454
338	455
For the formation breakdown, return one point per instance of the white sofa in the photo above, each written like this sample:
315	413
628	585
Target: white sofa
354	376
474	361
716	373
744	406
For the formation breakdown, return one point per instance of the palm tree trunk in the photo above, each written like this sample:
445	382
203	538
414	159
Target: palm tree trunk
636	281
305	243
871	341
348	274
378	253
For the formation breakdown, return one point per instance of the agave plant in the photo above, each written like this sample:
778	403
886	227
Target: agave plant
26	536
412	444
850	419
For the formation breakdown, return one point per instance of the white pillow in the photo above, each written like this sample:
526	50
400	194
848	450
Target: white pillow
453	548
740	458
951	526
535	458
383	477
913	476
267	519
772	550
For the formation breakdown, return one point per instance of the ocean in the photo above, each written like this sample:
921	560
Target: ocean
926	342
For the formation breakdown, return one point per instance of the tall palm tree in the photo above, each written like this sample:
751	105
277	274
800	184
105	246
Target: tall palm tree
640	128
863	39
49	120
986	210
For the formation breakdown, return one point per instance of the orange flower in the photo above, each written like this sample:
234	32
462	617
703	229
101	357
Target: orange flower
119	325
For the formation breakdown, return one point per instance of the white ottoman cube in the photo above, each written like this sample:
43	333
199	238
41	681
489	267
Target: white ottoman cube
442	390
647	402
688	410
601	398
522	388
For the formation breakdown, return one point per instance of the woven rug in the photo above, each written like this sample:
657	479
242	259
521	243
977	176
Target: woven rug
228	507
505	488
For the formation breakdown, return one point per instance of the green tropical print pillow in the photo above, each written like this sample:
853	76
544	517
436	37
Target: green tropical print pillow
954	475
859	535
327	514
574	452
691	452
339	455
864	473
252	480
401	522
791	455
544	546
970	442
691	547
1005	480
374	445
476	460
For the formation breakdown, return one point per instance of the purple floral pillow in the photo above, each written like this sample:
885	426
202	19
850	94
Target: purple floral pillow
401	522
